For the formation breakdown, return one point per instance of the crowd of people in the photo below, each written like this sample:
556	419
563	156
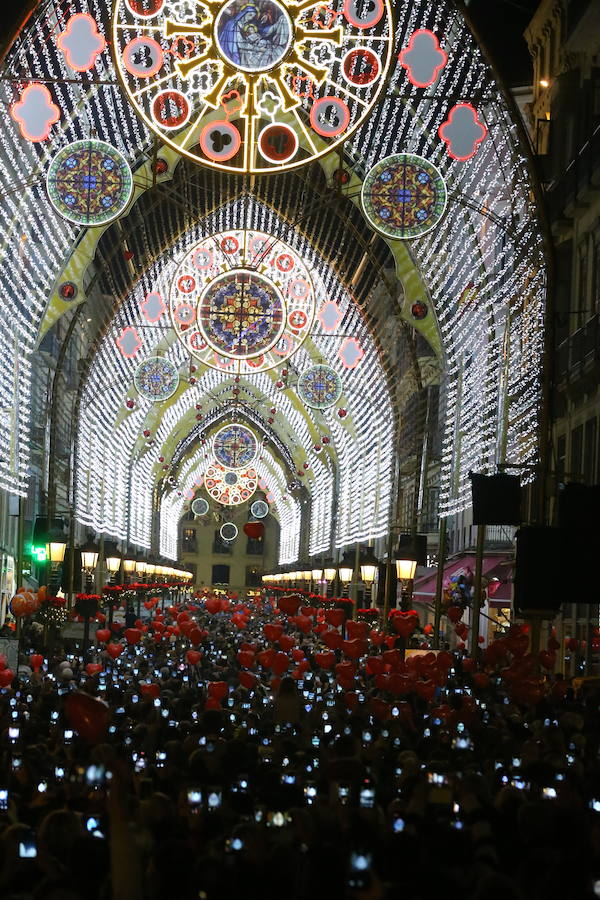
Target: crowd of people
217	749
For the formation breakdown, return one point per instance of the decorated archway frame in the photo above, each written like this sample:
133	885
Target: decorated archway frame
242	301
253	86
235	446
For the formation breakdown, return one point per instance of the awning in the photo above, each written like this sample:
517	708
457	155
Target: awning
494	566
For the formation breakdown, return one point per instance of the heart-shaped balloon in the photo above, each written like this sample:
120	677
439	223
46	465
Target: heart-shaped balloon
151	690
404	623
356	629
265	658
425	689
325	659
93	668
248	680
193	657
133	635
6	677
88	716
289	604
218	689
374	665
280	663
335	617
212	605
273	632
37	661
332	639
246	659
454	613
197	635
114	650
103	635
355	648
377	637
286	642
303	623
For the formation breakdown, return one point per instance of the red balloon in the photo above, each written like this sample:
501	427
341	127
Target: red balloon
404	623
103	635
273	632
572	644
547	659
254	530
246	659
6	677
193	657
88	716
212	605
356	629
308	611
218	689
297	654
280	663
481	679
354	649
425	689
248	680
37	661
375	665
93	668
286	642
114	650
378	637
212	703
335	617
133	635
454	613
428	629
265	658
289	604
325	659
196	636
332	639
150	690
303	623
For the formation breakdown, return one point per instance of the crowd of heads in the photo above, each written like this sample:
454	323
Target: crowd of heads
218	749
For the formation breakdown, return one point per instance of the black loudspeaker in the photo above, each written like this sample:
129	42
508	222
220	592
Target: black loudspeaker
543	568
579	508
43	526
415	546
496	499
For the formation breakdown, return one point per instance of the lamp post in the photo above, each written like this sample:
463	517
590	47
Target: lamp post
405	571
345	575
329	573
55	550
369	566
89	560
113	565
140	570
317	575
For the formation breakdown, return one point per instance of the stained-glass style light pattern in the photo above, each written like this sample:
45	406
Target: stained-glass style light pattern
241	314
156	379
242	301
266	85
320	387
89	183
229	531
200	506
404	196
235	446
229	487
259	509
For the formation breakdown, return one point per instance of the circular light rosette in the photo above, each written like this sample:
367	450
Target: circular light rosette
200	506
89	183
229	487
242	302
229	531
156	379
404	196
259	509
253	85
235	446
320	387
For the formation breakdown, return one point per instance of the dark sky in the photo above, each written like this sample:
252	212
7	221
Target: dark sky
500	22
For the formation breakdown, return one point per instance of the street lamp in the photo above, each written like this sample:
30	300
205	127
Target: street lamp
369	566
129	567
317	575
345	574
405	571
89	560
113	564
55	552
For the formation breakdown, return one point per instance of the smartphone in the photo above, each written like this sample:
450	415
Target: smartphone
549	793
53	715
59	773
140	764
160	759
367	798
595	805
437	779
310	792
462	743
68	735
194	796
288	779
516	761
278	819
398	824
343	794
42	787
240	786
307	707
16	763
367	737
359	874
95	775
13	733
92	826
214	798
520	784
27	847
316	740
3	799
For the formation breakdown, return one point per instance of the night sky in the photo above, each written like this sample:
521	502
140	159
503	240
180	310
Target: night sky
500	22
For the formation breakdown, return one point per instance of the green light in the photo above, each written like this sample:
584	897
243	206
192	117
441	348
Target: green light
39	553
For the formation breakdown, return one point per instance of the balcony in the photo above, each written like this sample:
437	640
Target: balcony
578	358
573	189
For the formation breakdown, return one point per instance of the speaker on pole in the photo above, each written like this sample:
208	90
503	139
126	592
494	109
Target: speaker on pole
496	499
542	562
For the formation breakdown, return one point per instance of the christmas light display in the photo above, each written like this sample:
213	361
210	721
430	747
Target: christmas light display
235	446
253	86
487	243
320	387
200	506
156	379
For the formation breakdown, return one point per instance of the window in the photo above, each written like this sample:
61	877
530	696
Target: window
255	547
582	285
253	576
221	546
589	451
561	457
188	540
220	575
596	274
576	464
